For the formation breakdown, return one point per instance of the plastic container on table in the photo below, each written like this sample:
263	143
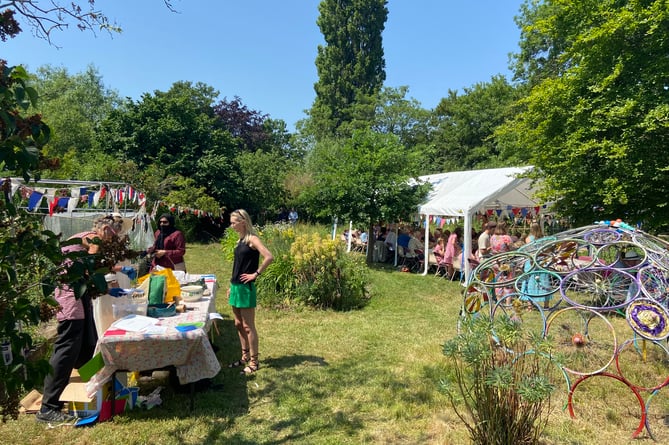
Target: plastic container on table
133	302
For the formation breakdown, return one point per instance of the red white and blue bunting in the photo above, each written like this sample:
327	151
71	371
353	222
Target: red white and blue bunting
68	198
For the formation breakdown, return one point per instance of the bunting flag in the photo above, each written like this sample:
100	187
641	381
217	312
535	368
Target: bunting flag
63	202
26	192
96	198
13	189
72	204
34	201
132	196
69	198
52	205
536	210
499	212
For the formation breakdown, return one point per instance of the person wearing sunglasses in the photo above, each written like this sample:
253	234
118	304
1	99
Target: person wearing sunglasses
170	246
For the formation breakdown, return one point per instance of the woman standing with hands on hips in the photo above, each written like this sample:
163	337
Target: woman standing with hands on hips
242	292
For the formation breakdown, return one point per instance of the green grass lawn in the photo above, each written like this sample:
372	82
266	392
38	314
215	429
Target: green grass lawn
362	377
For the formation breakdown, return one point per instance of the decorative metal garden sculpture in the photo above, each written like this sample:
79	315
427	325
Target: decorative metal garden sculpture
600	293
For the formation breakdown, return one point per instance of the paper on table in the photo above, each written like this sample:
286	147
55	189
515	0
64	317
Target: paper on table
215	315
155	330
134	323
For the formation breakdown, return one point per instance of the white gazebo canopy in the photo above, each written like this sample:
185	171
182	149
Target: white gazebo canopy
463	193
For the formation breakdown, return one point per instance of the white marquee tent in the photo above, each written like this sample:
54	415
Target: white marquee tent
463	193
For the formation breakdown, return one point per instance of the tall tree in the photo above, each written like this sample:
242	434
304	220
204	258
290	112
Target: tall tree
73	104
596	123
364	178
244	124
404	117
466	123
178	131
351	66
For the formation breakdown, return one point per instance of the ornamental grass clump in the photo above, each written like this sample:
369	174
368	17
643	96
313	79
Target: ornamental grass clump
498	383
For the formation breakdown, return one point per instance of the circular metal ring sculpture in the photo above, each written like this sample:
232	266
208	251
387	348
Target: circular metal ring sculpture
588	288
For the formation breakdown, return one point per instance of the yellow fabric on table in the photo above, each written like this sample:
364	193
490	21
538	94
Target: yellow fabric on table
173	286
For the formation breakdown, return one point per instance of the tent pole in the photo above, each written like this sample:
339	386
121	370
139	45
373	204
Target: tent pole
467	249
426	253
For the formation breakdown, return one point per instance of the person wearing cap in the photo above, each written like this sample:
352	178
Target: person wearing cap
484	248
170	245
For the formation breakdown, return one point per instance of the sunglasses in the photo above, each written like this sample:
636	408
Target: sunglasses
164	222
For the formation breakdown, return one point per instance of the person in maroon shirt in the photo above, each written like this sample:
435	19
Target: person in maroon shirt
170	245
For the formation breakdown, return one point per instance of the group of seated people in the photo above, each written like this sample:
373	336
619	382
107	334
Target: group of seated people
445	246
359	239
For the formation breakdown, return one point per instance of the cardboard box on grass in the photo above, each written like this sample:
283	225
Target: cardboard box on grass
81	405
31	403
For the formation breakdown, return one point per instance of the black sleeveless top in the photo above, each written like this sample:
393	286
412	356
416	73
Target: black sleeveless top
246	261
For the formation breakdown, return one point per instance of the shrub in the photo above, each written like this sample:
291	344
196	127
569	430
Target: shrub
308	269
498	385
326	276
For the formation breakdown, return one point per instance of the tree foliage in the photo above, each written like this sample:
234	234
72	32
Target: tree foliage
404	117
262	182
21	134
31	262
597	117
466	123
351	66
74	105
364	178
55	15
178	131
246	125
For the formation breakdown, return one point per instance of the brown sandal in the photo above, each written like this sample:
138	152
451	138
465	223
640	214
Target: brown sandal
251	367
242	361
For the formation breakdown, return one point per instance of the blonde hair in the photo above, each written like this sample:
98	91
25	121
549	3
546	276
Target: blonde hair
248	225
535	230
501	228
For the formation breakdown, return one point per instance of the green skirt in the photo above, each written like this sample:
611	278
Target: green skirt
243	295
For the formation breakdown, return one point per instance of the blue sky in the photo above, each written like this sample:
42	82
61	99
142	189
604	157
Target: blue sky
264	50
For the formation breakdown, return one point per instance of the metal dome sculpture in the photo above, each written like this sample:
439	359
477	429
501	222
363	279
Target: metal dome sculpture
600	293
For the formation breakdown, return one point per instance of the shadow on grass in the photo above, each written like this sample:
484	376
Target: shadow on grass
291	361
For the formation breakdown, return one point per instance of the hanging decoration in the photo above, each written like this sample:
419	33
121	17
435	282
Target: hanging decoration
68	199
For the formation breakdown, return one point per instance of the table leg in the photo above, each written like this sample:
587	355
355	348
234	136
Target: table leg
192	396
